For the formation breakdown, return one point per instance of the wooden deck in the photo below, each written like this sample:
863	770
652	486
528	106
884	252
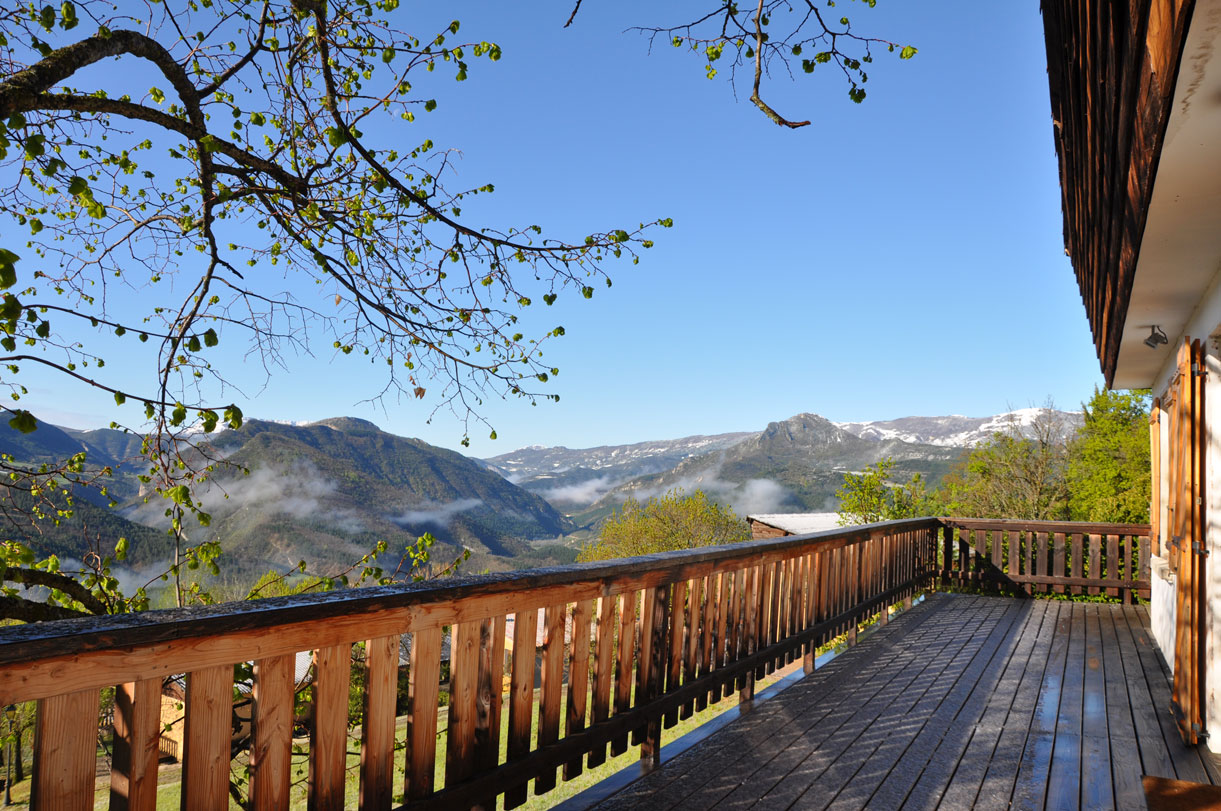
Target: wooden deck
963	701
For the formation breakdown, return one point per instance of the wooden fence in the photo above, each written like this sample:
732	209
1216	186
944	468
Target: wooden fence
1045	557
650	641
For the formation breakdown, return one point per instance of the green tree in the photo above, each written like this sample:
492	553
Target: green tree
1108	468
869	496
231	144
1021	472
665	524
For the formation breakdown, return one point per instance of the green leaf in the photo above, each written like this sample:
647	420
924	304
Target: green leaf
23	421
210	338
907	53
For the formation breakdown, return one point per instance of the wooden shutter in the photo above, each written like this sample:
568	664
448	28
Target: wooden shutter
1187	539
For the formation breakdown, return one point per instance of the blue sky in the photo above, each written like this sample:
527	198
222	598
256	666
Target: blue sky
898	257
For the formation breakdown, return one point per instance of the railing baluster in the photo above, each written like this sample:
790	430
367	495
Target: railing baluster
488	700
604	668
705	662
271	742
674	658
377	723
552	688
1113	562
628	604
1096	572
578	678
691	660
422	693
207	734
521	696
137	727
725	624
463	696
328	747
655	656
65	751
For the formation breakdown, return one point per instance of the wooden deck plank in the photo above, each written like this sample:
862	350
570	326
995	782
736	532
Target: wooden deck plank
1064	779
1155	758
997	788
771	727
789	776
976	761
1187	763
955	724
1035	767
1121	732
964	701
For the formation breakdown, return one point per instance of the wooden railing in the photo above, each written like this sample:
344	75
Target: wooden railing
629	646
1042	557
651	640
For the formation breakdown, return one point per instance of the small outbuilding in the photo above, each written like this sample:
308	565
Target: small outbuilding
776	525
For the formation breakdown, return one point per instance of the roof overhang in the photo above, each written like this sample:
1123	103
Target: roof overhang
1180	252
1112	73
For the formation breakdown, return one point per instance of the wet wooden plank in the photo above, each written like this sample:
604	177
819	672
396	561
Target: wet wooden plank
997	786
1064	778
1186	760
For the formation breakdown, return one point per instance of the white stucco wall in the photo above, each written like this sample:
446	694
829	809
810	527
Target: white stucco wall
1161	608
1212	571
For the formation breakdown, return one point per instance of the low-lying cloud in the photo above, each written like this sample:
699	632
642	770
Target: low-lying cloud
299	491
586	492
439	515
752	496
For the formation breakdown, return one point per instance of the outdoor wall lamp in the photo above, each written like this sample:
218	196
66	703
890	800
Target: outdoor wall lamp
1156	337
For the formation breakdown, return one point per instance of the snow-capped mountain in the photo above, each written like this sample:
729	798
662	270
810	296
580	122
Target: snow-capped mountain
957	431
582	475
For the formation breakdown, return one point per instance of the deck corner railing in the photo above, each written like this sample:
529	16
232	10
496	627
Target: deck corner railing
603	656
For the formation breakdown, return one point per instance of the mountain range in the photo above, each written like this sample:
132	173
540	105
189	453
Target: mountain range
327	491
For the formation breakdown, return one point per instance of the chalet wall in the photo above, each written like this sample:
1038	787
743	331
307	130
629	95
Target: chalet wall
760	531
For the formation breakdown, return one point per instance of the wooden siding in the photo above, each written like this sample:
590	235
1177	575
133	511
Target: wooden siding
1112	69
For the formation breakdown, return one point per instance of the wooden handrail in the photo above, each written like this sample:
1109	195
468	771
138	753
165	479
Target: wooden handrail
636	644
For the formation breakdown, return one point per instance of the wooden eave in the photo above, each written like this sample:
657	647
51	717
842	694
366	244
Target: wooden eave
1112	69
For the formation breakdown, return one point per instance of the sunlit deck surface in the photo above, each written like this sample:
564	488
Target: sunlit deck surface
963	701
